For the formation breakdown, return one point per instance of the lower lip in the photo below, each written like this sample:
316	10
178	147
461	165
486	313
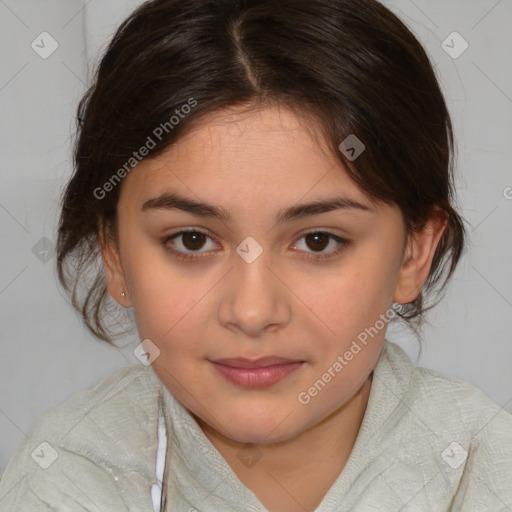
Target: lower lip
256	377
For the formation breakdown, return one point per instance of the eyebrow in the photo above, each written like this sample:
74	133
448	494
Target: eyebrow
173	201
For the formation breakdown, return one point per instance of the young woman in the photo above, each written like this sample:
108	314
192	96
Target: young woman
266	185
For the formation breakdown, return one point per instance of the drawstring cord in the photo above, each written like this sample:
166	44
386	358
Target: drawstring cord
158	490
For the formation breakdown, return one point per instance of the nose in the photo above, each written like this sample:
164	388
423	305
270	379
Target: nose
254	299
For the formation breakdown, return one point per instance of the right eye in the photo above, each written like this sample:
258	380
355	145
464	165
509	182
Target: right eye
188	240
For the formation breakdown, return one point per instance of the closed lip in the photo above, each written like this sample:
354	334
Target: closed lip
262	362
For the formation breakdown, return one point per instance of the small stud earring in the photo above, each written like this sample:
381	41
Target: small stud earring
123	294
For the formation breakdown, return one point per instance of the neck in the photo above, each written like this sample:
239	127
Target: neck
297	473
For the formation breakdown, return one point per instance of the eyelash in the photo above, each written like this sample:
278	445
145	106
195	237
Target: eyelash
192	256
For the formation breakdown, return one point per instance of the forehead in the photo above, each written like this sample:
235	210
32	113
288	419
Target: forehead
240	149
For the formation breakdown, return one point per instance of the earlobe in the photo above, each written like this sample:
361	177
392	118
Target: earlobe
113	268
418	257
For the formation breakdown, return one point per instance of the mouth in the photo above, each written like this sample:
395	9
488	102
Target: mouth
257	373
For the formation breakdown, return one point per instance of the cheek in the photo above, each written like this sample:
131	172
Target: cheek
350	302
350	296
169	308
162	293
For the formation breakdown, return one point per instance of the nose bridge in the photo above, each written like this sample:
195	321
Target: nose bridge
252	275
256	299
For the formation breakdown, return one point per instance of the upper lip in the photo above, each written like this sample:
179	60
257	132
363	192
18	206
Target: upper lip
242	362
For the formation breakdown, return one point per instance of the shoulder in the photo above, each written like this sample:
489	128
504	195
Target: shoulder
452	403
451	431
111	412
87	445
460	406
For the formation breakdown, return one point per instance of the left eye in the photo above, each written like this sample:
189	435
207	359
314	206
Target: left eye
194	240
318	240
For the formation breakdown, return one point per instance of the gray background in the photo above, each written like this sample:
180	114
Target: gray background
46	354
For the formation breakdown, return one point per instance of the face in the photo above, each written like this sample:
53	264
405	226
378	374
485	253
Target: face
249	281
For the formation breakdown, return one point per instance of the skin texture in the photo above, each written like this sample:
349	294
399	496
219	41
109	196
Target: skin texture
284	304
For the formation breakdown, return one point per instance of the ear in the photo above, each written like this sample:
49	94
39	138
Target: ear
418	256
116	283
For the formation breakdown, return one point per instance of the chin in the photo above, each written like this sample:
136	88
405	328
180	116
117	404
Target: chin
261	430
257	437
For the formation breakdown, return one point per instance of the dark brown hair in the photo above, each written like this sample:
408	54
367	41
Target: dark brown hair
350	65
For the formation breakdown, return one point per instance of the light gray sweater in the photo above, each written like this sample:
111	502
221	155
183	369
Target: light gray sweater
427	443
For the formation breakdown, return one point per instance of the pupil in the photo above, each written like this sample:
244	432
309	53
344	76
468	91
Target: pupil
197	240
318	239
